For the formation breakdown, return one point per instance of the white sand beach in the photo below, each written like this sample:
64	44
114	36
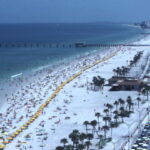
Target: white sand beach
40	117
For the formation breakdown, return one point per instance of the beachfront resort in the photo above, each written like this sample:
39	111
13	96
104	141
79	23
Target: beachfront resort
100	101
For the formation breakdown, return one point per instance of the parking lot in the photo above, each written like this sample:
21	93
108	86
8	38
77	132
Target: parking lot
143	141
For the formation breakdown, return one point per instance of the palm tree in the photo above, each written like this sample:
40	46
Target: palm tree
129	98
138	100
69	147
132	106
116	112
98	116
76	132
105	119
122	114
98	81
129	101
123	70
112	125
74	136
122	102
105	129
106	111
82	137
89	136
110	107
116	103
81	147
101	141
109	119
102	82
64	141
114	70
86	123
93	124
118	71
95	82
87	144
116	118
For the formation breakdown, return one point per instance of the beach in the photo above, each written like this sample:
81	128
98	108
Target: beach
72	104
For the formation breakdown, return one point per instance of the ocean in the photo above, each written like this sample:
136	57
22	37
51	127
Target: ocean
28	47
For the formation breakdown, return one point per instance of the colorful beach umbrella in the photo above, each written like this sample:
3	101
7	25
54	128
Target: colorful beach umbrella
5	142
9	138
2	146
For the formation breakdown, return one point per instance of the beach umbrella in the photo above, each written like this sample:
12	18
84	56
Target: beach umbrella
44	105
5	142
40	107
9	138
18	130
47	102
23	143
5	133
13	135
53	96
31	120
2	146
16	133
28	122
23	127
48	99
62	84
35	115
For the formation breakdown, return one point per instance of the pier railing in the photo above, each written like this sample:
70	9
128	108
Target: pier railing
63	45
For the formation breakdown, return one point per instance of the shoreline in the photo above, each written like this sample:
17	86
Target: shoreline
54	67
58	78
54	94
34	74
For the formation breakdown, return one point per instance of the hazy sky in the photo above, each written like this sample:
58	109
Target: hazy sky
73	10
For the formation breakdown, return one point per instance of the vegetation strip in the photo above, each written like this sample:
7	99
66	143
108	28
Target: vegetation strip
40	109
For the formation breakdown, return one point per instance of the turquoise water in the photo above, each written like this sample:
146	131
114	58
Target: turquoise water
14	60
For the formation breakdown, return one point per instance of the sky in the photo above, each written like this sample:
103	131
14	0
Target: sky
41	11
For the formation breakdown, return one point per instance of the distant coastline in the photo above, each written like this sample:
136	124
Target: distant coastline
143	25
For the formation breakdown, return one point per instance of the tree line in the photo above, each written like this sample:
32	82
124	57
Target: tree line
122	71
